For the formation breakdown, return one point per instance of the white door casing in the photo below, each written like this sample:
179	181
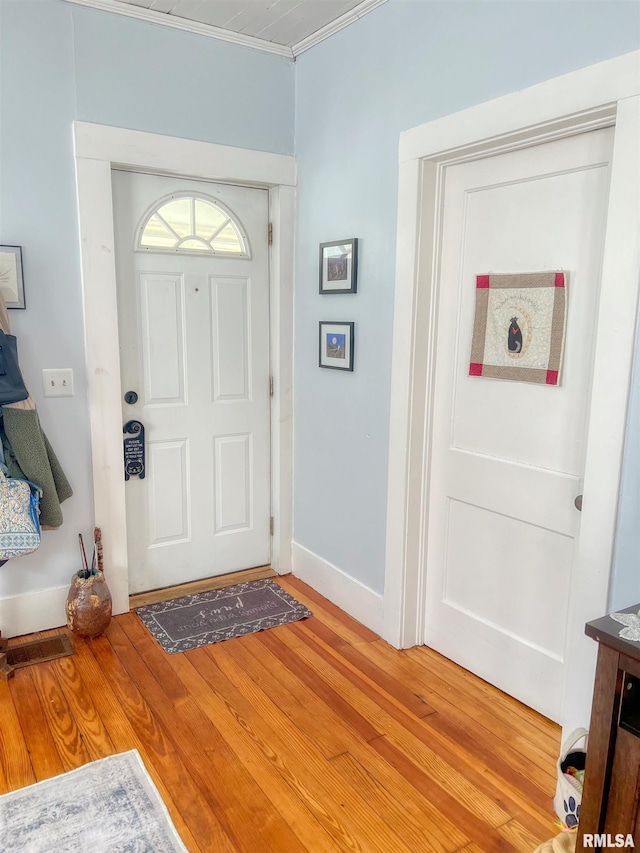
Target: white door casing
599	96
98	148
507	456
194	347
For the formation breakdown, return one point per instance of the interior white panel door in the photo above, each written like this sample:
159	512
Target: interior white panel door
194	346
501	526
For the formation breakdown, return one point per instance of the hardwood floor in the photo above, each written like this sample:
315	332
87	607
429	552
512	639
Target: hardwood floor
315	736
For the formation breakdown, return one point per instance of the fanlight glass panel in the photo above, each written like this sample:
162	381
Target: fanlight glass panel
227	240
193	225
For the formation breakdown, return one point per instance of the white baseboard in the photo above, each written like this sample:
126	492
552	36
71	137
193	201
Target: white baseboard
34	611
353	597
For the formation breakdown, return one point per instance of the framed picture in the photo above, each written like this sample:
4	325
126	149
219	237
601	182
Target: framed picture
11	283
336	345
339	266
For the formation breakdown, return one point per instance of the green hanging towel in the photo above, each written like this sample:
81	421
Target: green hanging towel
31	456
28	454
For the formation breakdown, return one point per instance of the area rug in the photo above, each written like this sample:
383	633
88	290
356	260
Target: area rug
222	614
107	806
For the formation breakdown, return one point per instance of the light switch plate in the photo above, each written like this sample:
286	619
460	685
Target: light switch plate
57	382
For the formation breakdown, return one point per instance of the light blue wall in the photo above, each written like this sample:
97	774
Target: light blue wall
625	583
38	212
407	62
58	63
133	74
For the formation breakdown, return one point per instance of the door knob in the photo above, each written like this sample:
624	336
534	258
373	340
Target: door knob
578	503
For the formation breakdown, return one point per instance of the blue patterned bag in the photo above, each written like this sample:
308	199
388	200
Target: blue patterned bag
19	517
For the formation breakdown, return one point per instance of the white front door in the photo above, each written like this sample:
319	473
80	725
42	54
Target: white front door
508	456
193	316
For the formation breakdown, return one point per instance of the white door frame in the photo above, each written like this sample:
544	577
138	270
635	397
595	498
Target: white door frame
98	148
607	94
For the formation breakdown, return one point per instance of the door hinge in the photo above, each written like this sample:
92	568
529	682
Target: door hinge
271	526
271	386
270	233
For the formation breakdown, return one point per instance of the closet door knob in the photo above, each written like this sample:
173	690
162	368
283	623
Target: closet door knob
578	503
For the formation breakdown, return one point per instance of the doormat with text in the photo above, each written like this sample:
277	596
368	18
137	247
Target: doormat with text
222	614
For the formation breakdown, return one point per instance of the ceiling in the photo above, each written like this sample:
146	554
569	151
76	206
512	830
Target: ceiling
286	27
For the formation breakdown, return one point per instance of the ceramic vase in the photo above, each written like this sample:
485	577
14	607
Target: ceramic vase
88	605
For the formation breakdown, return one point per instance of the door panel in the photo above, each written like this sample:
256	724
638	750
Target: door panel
194	344
484	594
233	482
169	496
161	302
229	304
558	221
507	457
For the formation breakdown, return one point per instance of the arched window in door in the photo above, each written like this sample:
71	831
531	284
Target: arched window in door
192	224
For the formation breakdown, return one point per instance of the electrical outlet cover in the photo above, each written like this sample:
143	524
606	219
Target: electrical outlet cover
57	382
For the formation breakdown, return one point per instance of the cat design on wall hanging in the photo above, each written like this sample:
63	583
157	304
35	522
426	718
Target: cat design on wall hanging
514	342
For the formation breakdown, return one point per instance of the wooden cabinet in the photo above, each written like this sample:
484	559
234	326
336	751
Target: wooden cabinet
611	799
622	802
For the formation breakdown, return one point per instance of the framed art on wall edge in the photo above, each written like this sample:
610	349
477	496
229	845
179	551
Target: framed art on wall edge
11	281
339	266
336	342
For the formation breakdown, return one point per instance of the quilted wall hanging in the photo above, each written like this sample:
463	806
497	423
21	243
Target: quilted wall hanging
519	327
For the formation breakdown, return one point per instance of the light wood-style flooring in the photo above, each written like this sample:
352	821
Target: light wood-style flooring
316	736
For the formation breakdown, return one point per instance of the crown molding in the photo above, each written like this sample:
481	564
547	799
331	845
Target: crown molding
211	31
177	23
335	26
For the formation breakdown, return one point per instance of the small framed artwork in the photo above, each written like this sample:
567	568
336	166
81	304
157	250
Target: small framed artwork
339	266
336	345
11	282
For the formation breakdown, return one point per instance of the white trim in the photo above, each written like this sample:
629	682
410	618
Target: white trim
97	149
150	152
33	611
178	23
619	294
403	587
350	595
604	94
281	260
340	23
